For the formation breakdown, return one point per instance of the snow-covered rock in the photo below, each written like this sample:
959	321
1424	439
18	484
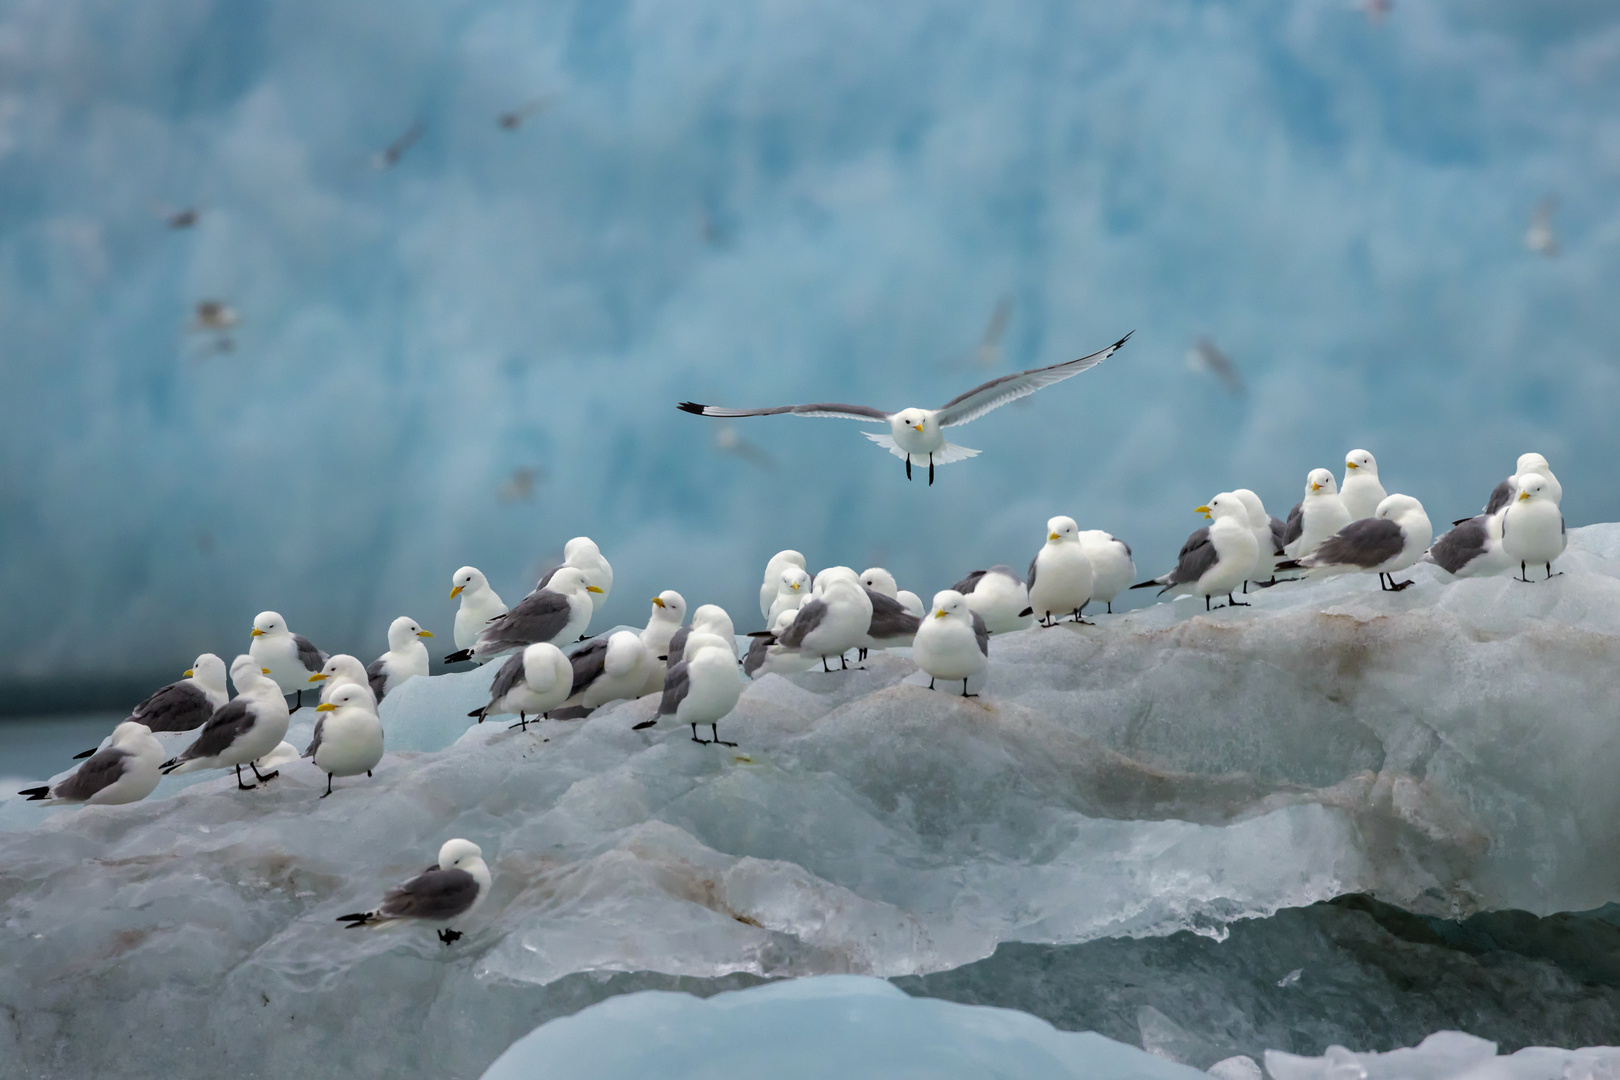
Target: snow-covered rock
1449	748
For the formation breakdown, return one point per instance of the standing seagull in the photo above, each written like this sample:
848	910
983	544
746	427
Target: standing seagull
124	771
340	670
668	612
707	619
1059	574
479	604
242	730
1361	490
703	688
1503	493
450	890
289	657
1215	559
1391	540
406	656
916	435
349	741
1473	548
582	553
1316	517
536	680
1264	527
184	705
1533	526
954	643
1112	568
998	596
792	590
833	623
773	577
556	612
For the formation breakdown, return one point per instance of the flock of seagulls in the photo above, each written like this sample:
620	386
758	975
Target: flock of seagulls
551	670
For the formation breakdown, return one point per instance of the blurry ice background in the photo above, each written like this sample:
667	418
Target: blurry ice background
474	355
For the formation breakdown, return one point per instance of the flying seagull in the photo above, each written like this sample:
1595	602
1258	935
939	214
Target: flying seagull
915	435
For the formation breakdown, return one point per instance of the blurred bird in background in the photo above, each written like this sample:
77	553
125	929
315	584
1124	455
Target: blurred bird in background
1204	356
1540	237
396	149
511	121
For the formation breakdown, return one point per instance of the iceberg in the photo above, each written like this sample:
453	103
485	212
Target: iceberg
1448	749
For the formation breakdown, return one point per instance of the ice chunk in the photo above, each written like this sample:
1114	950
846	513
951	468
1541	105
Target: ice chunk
845	1026
1449	1055
1236	1067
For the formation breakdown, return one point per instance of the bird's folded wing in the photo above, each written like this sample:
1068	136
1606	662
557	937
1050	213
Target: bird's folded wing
997	392
842	412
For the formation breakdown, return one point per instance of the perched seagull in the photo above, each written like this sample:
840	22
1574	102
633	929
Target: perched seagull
916	435
704	687
668	612
582	553
773	576
1059	574
406	656
342	670
1264	527
767	656
1503	493
184	705
242	730
1533	526
954	643
891	626
558	611
124	771
1316	517
1204	356
707	619
1540	237
1361	491
450	890
998	596
614	668
792	590
880	580
1215	559
511	121
1473	548
1391	540
349	741
396	149
289	658
479	604
832	623
536	680
1112	568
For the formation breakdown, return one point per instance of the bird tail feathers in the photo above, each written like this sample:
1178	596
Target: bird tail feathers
36	793
946	456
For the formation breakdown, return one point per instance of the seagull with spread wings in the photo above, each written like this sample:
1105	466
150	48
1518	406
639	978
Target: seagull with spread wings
916	435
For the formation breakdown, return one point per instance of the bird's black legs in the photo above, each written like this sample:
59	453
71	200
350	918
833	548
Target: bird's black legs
1245	588
863	656
329	784
448	936
298	701
263	777
1551	575
1110	607
368	774
964	690
523	721
1206	604
930	682
824	666
714	729
241	786
695	736
843	662
930	470
1077	615
1232	601
908	466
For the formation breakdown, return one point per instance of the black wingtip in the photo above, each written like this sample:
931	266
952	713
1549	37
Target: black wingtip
458	657
1144	584
1460	521
36	793
1291	564
358	918
1026	611
1123	340
81	757
170	765
478	713
692	407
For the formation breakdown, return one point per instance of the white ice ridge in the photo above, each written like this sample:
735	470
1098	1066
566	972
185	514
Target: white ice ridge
1449	748
1449	1055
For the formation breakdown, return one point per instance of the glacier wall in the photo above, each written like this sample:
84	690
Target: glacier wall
799	201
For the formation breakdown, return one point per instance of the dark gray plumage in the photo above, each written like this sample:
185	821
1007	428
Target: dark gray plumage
1364	543
510	674
103	769
809	617
435	895
982	632
677	684
308	655
540	616
377	678
1030	580
230	722
677	645
846	412
180	706
589	662
1294	528
315	737
969	583
758	651
1279	533
1501	495
890	619
1197	556
1461	546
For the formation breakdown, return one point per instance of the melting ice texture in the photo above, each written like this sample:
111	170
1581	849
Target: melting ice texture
1448	749
474	355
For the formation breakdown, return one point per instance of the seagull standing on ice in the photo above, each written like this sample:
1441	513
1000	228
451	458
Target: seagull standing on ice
450	890
582	553
1533	526
1215	559
707	619
479	604
773	577
1059	574
792	590
558	611
242	730
880	580
668	612
341	670
1361	490
123	771
1316	517
999	596
1265	567
406	657
536	680
349	740
833	622
289	657
1391	540
953	643
704	687
1503	493
1112	568
1473	548
917	435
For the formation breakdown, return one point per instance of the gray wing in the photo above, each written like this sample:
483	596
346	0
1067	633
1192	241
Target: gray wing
1197	556
808	618
1030	580
315	738
677	645
832	409
308	655
434	894
104	768
997	392
677	682
540	616
510	675
230	722
1279	535
758	650
1501	495
377	678
1461	546
1295	526
545	578
1003	568
890	619
180	706
1364	543
969	583
982	632
588	664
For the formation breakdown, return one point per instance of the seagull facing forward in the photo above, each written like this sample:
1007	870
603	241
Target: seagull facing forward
916	435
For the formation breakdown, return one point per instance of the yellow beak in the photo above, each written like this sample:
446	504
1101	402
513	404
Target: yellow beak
265	670
1202	510
326	706
257	632
659	601
939	614
794	586
1054	536
318	676
1316	487
1523	495
919	427
455	592
592	588
424	633
1351	465
188	673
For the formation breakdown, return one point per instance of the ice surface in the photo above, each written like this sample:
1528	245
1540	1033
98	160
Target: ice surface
1449	748
809	1029
1450	1055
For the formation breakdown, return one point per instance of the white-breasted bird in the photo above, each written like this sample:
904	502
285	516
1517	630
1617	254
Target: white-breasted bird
768	656
953	642
707	619
1394	538
1112	568
479	604
439	894
341	670
1503	493
534	681
289	657
833	621
1262	524
582	553
1317	516
1000	598
704	687
668	612
1361	491
614	668
557	612
241	731
880	580
773	576
406	657
1215	559
1472	548
917	435
1059	578
792	590
123	771
1533	526
184	705
348	739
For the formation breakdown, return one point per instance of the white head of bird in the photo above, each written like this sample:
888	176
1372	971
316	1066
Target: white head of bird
268	624
1225	506
468	577
1321	482
1062	530
579	549
916	431
404	630
247	675
348	694
1534	487
950	604
880	580
712	619
669	606
1395	507
1254	508
340	668
825	578
209	670
1361	461
571	579
794	581
128	732
1529	463
460	855
624	652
